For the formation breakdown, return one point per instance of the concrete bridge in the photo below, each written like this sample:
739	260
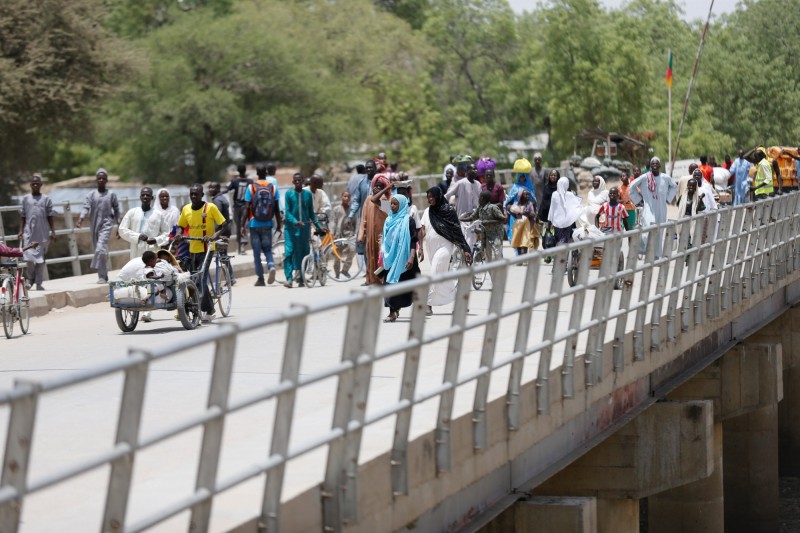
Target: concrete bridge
530	406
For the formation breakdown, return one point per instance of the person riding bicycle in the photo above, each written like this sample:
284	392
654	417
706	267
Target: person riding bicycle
492	217
8	251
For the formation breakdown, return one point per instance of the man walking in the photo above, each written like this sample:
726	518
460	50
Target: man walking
144	227
466	193
656	190
36	225
262	214
239	186
299	212
103	206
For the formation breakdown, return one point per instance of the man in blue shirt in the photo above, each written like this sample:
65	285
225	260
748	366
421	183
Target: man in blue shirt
260	227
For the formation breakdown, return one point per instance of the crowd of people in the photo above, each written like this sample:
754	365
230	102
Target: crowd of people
538	209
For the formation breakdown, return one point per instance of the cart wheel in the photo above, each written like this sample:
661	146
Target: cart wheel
24	312
187	297
126	319
308	271
620	267
479	278
224	291
7	309
573	260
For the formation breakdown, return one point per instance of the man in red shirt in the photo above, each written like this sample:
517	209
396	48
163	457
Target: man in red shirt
613	213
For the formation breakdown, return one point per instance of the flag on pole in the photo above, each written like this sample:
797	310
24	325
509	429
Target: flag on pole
668	78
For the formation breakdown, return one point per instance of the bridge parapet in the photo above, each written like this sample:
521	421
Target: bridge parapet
536	395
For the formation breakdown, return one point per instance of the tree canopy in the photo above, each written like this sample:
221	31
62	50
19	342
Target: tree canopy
176	90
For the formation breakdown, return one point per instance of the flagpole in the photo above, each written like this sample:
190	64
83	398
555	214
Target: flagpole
669	113
691	81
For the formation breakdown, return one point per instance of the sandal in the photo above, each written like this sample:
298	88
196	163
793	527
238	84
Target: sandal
391	318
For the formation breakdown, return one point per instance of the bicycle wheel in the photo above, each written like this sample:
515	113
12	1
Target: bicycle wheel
126	319
308	271
456	259
24	310
8	308
224	291
346	249
187	297
573	260
322	266
278	251
479	277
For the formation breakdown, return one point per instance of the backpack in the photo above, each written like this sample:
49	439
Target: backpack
262	203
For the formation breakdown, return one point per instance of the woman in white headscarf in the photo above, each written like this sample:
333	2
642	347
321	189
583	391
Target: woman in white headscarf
598	195
166	209
565	210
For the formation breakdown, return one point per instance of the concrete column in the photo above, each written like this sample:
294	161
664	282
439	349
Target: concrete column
696	507
750	461
786	331
617	516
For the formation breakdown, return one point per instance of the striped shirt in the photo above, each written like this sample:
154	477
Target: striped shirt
614	216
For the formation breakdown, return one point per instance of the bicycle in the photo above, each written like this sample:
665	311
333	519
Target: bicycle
220	286
574	261
336	251
14	302
479	254
315	265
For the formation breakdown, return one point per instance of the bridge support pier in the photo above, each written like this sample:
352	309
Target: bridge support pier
745	385
670	444
694	507
786	331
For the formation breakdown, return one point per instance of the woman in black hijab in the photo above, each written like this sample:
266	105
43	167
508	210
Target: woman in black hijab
441	233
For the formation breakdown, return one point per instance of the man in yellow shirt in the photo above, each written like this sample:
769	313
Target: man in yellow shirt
201	218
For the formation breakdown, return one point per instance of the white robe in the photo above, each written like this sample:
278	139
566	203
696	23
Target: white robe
137	222
438	251
655	202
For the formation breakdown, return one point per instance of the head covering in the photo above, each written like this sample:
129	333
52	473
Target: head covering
522	166
484	164
565	207
380	164
596	198
158	195
381	180
448	166
445	220
396	241
101	170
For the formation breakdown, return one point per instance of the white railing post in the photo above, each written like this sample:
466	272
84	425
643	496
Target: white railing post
480	437
578	301
130	417
72	240
625	302
211	447
442	436
399	459
513	400
644	293
19	442
282	426
549	333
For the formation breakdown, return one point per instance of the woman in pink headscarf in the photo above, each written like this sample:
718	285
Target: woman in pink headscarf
372	219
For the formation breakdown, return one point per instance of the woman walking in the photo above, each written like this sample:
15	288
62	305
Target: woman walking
565	210
524	211
441	233
398	246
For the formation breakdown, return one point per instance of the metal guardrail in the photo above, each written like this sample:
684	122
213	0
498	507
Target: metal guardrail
71	232
335	188
735	253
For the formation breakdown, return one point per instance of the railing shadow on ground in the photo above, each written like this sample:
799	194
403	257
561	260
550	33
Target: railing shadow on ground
714	267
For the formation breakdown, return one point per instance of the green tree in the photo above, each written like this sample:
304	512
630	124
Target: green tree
56	62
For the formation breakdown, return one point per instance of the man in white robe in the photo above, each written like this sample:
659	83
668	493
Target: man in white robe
655	190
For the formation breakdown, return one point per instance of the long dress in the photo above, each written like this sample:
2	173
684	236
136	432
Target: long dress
373	218
104	209
438	250
36	210
399	301
655	192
